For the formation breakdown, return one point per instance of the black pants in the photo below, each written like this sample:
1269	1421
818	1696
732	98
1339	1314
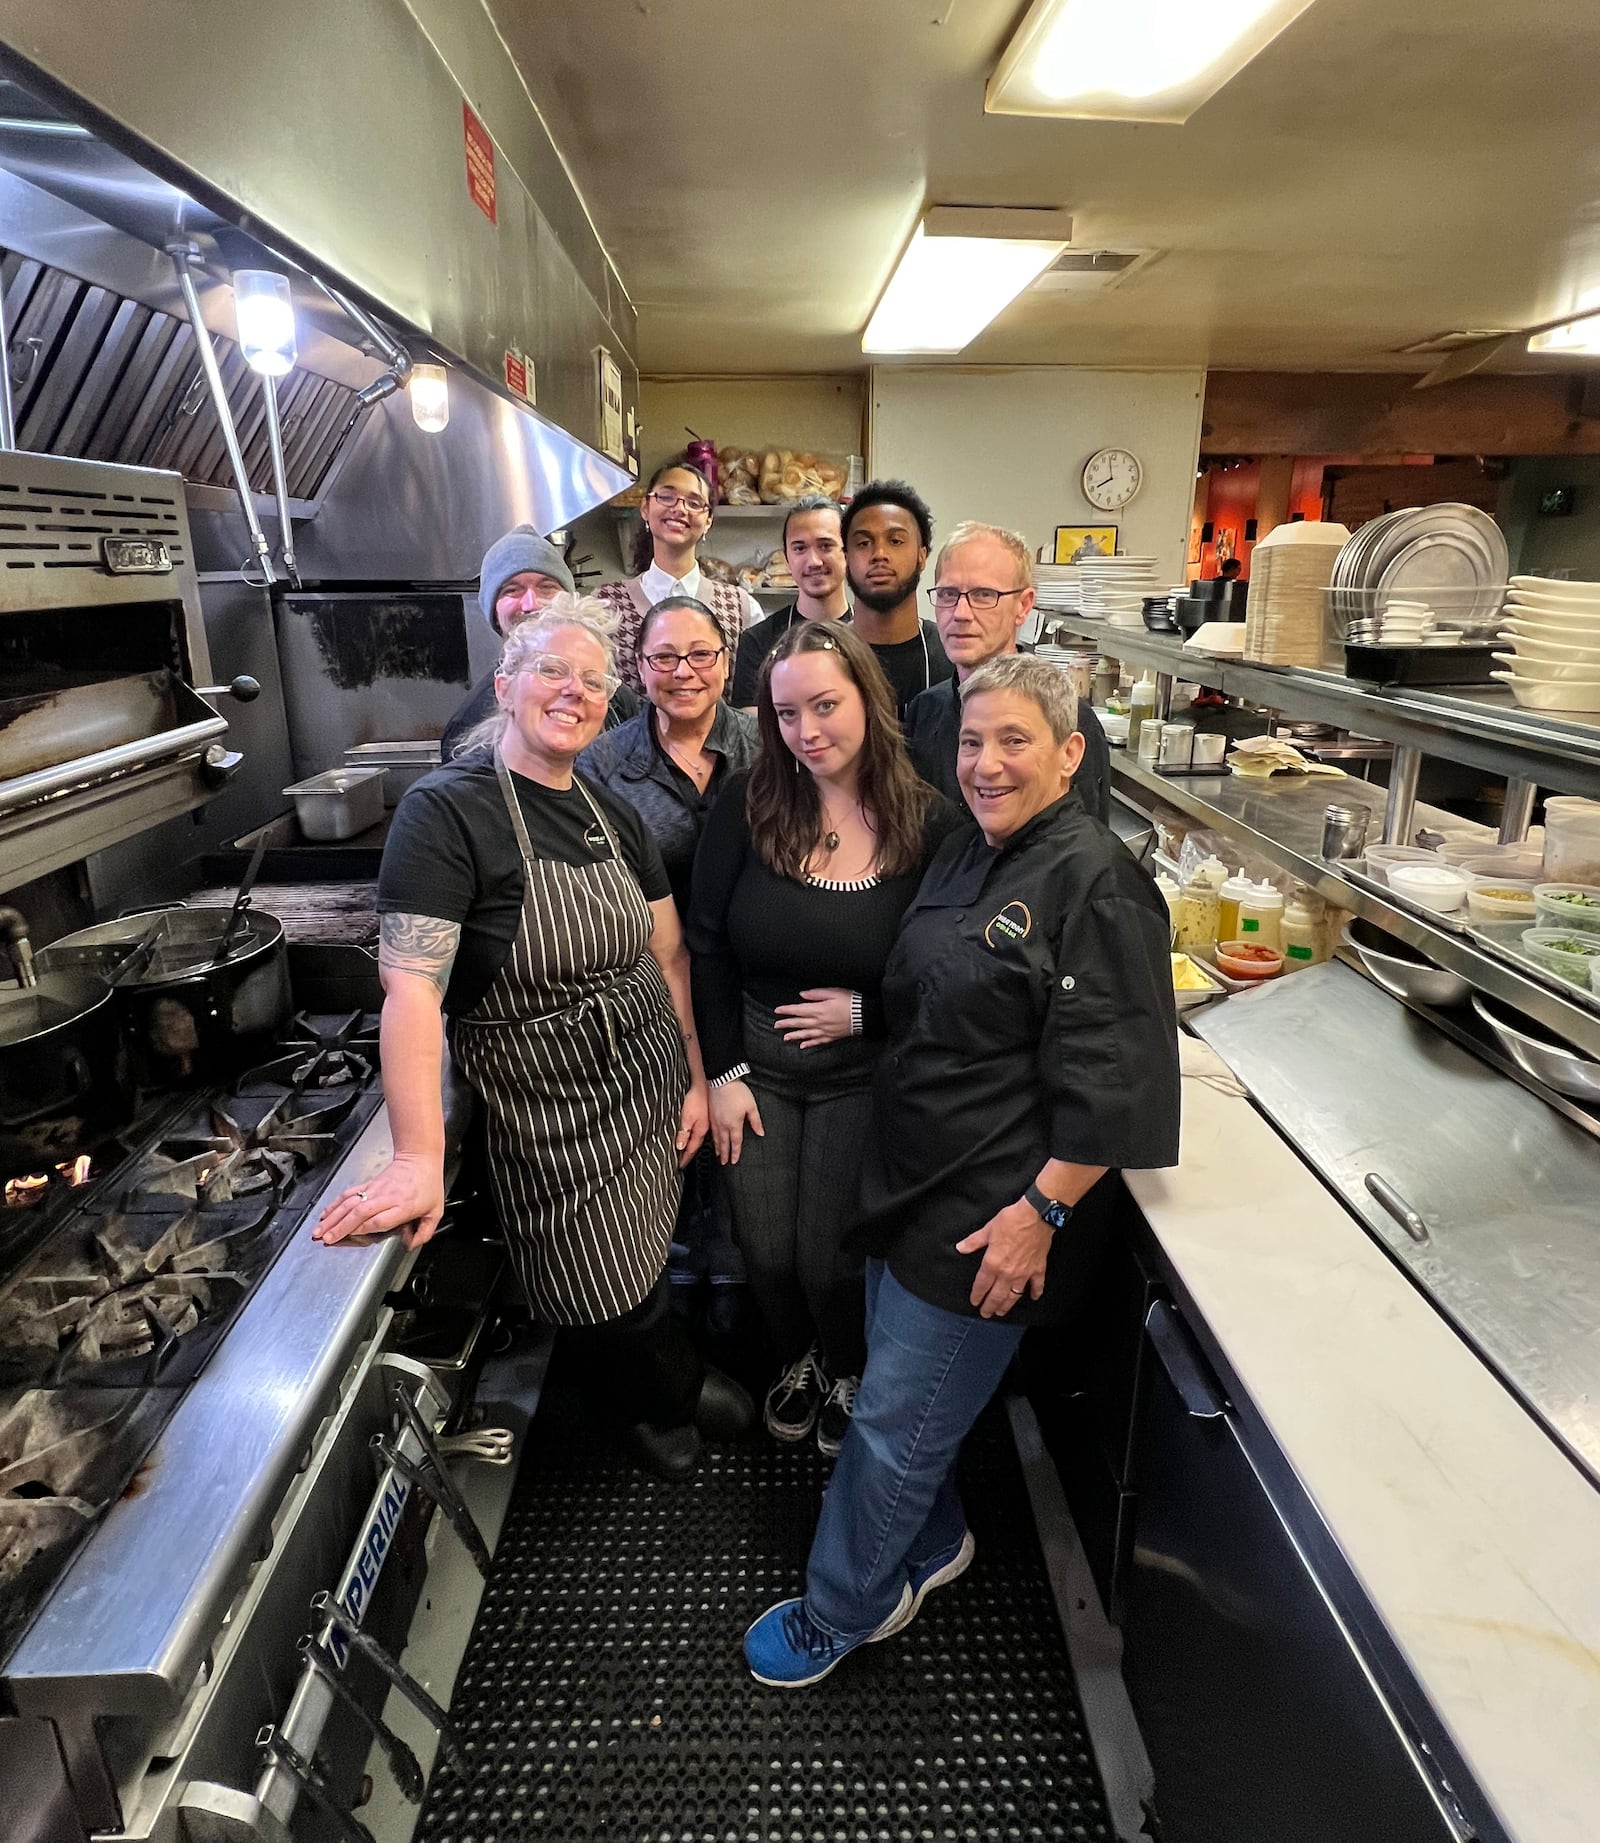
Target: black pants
640	1367
794	1191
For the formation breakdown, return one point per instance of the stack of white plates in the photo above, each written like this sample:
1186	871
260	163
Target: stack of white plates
1450	558
1058	588
1114	588
1553	630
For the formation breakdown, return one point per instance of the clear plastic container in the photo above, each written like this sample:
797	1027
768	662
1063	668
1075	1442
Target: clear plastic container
1518	866
1568	905
1248	960
1571	839
1376	859
1500	901
1434	886
1563	951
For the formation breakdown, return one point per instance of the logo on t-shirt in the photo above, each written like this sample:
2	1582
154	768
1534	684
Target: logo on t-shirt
1013	923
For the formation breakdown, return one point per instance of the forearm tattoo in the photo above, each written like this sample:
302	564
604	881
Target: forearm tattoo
419	944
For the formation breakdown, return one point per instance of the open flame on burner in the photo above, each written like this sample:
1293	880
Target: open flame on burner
25	1192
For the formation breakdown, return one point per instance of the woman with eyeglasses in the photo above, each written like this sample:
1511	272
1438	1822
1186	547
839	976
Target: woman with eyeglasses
670	764
675	516
803	873
527	916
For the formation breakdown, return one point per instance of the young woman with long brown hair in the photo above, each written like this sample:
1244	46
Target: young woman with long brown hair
675	515
803	872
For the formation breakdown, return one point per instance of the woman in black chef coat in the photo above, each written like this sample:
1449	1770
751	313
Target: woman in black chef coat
1032	1048
534	914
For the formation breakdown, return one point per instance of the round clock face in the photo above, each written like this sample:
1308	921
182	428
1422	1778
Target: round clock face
1111	478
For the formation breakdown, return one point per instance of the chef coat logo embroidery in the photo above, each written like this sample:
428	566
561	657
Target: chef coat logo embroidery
1013	923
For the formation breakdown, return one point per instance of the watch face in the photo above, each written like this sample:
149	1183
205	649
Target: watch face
1111	478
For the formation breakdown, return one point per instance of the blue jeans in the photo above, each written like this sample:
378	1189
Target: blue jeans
891	1505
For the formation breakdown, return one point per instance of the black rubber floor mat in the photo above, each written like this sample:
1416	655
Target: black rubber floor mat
604	1694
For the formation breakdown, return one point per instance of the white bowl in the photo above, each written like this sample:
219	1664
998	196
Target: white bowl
1551	671
1549	608
1556	586
1537	694
1555	652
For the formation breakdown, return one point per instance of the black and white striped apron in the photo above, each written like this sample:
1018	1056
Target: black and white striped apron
577	1056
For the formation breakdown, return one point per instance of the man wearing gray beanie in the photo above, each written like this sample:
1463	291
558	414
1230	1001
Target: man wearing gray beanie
520	573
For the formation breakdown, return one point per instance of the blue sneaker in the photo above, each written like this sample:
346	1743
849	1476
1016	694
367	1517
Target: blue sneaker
787	1649
940	1572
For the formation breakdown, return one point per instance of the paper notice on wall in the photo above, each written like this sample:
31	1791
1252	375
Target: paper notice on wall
611	442
480	163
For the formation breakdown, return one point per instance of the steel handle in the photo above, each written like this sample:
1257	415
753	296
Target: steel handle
1186	1370
44	782
1396	1206
245	688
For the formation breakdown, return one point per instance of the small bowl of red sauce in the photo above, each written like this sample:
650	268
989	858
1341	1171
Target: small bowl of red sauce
1248	960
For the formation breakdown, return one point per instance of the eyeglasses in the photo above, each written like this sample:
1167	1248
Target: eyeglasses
666	498
699	659
558	673
947	600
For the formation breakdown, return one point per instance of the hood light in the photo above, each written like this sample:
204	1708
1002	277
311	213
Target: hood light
429	388
264	310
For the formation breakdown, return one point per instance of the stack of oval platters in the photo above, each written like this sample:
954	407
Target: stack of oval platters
1440	569
1553	630
1114	588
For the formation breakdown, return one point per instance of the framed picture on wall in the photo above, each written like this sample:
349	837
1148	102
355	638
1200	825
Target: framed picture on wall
1076	542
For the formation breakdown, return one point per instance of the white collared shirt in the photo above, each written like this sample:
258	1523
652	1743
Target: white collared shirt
657	585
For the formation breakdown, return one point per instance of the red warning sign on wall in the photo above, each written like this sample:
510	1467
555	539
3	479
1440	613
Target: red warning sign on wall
480	163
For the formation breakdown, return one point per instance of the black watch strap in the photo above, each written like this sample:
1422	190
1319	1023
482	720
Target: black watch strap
1056	1215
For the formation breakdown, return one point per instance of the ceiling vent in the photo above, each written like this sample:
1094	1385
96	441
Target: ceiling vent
1089	271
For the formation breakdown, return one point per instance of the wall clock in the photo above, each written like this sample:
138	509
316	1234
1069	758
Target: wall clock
1111	478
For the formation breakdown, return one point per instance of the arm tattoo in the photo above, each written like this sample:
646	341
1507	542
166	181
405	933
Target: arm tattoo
419	944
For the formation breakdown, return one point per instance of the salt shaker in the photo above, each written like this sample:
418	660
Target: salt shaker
1344	832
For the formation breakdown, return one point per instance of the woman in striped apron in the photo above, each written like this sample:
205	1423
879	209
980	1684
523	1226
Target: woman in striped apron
533	913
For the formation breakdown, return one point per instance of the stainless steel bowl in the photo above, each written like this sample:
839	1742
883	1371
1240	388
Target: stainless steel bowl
1557	1067
1414	978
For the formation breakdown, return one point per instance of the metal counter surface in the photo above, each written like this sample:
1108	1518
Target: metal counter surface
140	1606
1507	1191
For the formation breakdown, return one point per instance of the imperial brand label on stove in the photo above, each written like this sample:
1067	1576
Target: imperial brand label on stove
361	1576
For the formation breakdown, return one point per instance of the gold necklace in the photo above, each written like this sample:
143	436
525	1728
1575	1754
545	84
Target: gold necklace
693	768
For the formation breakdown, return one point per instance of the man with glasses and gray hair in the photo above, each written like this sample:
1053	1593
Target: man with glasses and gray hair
982	597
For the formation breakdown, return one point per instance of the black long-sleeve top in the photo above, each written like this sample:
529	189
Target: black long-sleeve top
752	931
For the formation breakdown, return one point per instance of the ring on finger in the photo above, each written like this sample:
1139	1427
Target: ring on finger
362	1195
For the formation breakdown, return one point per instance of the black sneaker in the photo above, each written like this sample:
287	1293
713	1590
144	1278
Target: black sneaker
833	1422
794	1399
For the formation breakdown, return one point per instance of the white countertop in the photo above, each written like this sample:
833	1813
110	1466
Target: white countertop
1475	1537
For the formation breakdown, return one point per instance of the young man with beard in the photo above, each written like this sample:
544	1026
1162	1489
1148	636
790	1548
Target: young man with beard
888	532
813	547
982	597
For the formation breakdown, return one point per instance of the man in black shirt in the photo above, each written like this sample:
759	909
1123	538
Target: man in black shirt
982	598
888	532
813	547
520	574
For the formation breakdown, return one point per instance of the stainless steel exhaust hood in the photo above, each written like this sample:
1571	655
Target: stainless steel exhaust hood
389	149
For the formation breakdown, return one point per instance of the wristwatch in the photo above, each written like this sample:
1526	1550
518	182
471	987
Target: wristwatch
1055	1215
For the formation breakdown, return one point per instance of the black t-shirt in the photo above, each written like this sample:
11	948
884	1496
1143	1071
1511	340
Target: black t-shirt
452	853
910	670
754	645
752	931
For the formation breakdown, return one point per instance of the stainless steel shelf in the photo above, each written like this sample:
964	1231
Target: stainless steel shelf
1483	728
1281	820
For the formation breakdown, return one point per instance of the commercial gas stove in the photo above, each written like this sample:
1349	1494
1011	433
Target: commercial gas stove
190	1394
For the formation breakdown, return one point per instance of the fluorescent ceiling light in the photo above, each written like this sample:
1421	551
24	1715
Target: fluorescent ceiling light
1581	334
1131	60
947	286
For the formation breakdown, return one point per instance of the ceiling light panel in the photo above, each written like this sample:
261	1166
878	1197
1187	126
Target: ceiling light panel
946	289
1131	60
